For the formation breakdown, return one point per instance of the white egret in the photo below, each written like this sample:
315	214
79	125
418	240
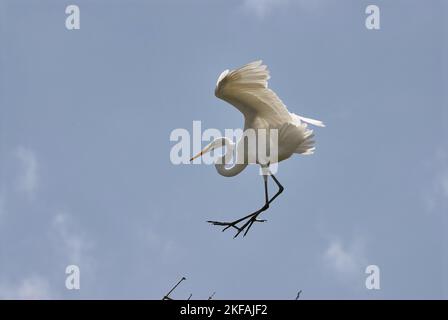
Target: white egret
247	89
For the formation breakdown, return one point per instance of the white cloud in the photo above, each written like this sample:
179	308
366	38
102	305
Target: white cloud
346	261
72	248
74	244
435	194
27	180
262	8
339	259
31	288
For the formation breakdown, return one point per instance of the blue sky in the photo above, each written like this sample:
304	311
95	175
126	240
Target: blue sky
86	179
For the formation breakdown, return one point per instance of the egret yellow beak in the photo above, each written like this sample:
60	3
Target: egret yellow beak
196	156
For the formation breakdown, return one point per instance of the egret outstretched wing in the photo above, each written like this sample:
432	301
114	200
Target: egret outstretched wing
247	89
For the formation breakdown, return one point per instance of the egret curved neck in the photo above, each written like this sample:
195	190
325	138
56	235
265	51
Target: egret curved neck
239	165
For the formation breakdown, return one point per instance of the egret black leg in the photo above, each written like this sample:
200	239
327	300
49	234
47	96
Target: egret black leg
251	218
266	206
280	188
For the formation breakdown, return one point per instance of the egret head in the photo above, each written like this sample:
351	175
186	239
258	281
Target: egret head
215	144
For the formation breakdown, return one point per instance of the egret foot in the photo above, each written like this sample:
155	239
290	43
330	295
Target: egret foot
249	221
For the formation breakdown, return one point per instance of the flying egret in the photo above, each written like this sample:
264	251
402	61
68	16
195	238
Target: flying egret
247	89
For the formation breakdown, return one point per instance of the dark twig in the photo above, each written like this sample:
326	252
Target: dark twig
167	296
211	296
